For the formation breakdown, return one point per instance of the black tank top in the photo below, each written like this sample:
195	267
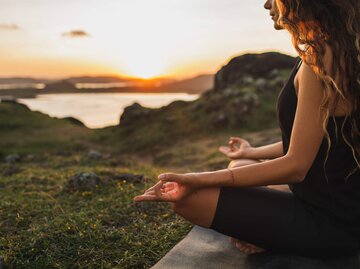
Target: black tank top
332	197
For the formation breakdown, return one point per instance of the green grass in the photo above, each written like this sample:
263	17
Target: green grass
44	224
22	131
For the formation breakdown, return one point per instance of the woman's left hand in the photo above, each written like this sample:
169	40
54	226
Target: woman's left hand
171	188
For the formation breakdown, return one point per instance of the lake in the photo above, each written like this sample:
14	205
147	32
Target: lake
97	110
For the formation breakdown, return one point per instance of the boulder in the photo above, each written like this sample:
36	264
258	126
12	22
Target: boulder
94	154
252	66
133	113
84	181
12	158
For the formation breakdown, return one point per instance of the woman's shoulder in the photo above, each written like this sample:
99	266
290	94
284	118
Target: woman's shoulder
310	72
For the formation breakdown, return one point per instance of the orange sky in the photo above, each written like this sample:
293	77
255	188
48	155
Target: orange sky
178	38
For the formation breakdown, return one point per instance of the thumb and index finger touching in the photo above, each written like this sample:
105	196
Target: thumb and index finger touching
236	139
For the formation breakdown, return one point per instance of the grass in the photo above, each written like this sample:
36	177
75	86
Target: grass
46	224
25	132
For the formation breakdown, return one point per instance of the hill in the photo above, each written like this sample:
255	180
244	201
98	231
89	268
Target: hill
24	131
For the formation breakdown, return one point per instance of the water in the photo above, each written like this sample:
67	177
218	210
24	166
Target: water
97	110
11	86
40	86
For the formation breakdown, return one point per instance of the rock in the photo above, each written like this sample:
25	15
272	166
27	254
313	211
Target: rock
94	154
260	83
251	98
230	92
84	181
74	121
133	113
248	80
12	158
251	65
274	73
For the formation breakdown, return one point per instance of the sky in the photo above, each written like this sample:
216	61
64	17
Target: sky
139	38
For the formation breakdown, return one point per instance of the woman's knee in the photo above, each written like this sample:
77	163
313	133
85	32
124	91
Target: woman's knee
177	207
199	208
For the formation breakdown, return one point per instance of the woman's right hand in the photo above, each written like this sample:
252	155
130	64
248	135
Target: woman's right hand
236	152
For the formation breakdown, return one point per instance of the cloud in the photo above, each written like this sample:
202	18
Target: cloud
76	33
9	26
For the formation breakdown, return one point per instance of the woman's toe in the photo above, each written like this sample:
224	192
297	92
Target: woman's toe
246	247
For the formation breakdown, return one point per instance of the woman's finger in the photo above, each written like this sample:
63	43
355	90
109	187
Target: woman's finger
157	187
168	186
165	177
224	150
141	198
150	189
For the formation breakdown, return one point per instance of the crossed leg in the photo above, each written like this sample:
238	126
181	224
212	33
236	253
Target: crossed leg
199	208
241	245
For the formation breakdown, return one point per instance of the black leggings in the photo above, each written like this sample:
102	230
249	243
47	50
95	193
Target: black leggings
279	222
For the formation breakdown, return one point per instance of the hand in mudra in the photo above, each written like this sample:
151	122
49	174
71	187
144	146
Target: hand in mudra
233	151
168	190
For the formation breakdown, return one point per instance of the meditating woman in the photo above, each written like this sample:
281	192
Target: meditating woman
318	157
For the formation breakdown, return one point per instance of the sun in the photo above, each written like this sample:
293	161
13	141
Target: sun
145	67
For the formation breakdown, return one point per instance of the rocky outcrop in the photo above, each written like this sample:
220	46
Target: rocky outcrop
84	181
250	67
133	113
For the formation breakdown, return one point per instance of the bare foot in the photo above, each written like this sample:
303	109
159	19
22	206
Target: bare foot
246	247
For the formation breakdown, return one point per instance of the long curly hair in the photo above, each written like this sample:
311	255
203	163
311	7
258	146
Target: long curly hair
336	23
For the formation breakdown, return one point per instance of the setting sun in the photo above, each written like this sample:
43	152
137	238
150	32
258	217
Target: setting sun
138	38
144	66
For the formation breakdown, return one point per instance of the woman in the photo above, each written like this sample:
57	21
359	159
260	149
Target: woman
318	157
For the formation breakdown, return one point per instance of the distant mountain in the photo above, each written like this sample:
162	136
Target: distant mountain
115	79
96	79
22	80
61	85
196	85
99	84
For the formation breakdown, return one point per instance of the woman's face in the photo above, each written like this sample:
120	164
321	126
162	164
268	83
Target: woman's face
274	12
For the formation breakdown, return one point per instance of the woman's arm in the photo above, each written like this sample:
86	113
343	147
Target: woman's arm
283	170
271	151
306	137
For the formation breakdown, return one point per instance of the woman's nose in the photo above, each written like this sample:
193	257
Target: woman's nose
268	4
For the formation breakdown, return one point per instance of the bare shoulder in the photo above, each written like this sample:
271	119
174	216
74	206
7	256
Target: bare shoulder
306	75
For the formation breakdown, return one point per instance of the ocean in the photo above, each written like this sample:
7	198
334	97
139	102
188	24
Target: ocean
98	110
